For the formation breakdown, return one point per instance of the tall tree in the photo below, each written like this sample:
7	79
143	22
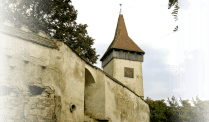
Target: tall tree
186	112
175	109
174	102
175	11
56	18
158	111
183	113
202	110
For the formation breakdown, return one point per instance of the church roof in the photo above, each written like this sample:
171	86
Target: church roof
122	40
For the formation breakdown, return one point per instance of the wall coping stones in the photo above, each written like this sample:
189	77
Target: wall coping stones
28	36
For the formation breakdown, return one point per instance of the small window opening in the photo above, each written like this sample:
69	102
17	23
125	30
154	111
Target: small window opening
73	108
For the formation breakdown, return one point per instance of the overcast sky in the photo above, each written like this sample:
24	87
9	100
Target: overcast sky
174	63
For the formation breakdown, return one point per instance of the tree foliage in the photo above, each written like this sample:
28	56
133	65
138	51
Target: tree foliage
186	111
175	11
201	113
175	109
54	17
159	112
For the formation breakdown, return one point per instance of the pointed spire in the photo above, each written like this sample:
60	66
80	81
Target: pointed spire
120	8
122	40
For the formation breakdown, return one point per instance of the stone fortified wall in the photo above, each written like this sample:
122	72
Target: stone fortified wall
44	80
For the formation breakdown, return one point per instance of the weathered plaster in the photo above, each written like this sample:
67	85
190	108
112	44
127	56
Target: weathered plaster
61	80
115	68
124	106
95	97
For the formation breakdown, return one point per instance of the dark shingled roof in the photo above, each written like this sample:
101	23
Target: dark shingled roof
122	40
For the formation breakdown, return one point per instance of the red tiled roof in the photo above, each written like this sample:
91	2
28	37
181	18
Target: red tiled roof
122	40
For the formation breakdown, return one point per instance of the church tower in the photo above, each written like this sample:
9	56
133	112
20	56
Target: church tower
123	59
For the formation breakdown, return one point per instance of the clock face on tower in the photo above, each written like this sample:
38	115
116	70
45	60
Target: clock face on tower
129	72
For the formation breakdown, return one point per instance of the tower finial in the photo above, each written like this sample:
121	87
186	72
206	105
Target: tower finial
120	8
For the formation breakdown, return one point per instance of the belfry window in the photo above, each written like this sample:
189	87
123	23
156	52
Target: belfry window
129	72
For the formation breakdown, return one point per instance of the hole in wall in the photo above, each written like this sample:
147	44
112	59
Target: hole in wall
26	62
72	108
43	67
101	120
35	90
